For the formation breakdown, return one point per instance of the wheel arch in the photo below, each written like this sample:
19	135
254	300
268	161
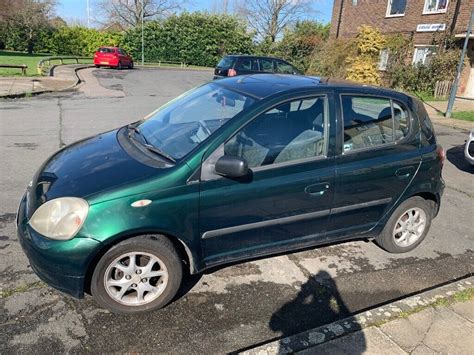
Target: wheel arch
429	196
188	258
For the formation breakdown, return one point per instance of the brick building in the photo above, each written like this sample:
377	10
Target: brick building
422	20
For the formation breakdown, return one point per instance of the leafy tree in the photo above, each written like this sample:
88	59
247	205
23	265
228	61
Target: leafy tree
300	41
25	22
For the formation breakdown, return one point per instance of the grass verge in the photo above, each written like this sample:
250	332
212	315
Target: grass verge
464	115
31	60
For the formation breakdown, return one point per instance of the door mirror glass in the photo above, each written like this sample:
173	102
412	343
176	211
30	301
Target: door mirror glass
232	167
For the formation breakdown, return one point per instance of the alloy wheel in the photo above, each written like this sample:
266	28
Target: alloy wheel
409	227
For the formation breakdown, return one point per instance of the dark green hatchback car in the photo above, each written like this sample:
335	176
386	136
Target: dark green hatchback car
234	169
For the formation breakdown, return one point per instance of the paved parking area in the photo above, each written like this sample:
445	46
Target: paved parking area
233	307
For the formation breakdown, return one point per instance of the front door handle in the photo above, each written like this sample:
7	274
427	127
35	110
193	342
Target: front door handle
317	189
404	173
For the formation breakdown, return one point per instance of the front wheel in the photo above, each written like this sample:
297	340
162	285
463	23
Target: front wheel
138	275
407	227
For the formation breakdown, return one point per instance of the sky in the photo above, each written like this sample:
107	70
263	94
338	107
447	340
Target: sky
75	10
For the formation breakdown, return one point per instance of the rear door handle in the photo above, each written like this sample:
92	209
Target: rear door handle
317	189
404	173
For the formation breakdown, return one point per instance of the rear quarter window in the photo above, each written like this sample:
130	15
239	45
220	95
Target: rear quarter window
225	62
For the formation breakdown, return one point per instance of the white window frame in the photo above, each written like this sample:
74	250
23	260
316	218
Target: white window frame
421	46
389	7
427	12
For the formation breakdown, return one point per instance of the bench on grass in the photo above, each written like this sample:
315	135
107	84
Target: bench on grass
23	67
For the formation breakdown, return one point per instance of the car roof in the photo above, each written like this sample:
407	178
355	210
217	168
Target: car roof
261	86
255	56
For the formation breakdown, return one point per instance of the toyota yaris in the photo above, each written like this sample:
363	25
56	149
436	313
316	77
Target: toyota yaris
235	169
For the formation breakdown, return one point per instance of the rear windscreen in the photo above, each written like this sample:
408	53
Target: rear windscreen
225	62
106	50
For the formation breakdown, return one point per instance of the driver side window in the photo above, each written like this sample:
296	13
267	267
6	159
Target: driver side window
292	130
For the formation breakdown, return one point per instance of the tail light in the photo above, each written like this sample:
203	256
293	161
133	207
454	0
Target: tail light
231	72
441	155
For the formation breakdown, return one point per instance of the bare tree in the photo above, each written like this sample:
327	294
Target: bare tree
128	13
268	18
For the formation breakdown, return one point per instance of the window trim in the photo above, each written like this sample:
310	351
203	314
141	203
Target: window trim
380	146
324	95
426	12
417	47
389	7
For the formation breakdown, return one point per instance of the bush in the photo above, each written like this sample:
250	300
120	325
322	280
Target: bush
193	38
363	68
330	59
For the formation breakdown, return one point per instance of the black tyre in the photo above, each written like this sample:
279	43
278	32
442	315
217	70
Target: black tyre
97	66
131	65
119	65
407	227
138	275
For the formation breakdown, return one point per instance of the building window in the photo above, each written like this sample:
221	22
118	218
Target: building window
435	6
396	8
383	61
423	54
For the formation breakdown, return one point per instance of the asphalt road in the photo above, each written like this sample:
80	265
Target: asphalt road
228	309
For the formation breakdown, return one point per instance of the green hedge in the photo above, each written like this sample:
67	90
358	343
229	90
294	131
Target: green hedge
193	38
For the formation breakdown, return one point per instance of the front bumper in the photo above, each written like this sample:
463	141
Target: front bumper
61	264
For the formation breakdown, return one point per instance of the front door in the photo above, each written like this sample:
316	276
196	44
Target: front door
286	200
379	159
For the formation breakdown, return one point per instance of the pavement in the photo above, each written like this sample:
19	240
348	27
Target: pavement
64	78
228	309
439	321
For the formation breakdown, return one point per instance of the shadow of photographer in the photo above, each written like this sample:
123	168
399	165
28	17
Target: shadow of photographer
317	304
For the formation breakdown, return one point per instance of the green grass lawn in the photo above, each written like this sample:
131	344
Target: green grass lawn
31	60
464	115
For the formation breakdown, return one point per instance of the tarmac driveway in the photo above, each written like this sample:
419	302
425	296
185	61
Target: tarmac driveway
229	309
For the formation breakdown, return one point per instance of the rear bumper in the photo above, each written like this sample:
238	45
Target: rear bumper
113	62
61	264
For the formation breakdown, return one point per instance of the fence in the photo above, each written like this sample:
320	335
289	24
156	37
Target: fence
442	89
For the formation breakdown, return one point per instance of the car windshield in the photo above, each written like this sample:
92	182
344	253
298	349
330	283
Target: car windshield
183	123
225	62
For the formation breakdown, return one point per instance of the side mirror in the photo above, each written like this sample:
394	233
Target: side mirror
232	167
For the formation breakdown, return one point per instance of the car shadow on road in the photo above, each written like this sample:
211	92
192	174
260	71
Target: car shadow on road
456	156
317	304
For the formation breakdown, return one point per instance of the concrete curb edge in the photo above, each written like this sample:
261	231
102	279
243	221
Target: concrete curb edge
375	316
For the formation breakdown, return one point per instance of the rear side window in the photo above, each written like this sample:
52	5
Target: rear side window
266	65
105	50
225	62
247	64
372	121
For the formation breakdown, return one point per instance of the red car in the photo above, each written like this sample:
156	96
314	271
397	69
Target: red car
112	57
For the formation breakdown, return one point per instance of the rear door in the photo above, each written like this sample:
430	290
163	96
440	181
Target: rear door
379	147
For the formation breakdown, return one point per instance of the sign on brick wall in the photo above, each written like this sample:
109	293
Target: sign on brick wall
430	27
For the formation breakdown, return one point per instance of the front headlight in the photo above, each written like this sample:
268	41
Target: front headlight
60	218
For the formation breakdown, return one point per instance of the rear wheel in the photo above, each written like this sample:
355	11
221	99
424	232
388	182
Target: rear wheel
138	275
131	65
119	65
407	227
97	66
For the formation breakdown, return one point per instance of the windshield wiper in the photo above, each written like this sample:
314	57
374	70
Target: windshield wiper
147	144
